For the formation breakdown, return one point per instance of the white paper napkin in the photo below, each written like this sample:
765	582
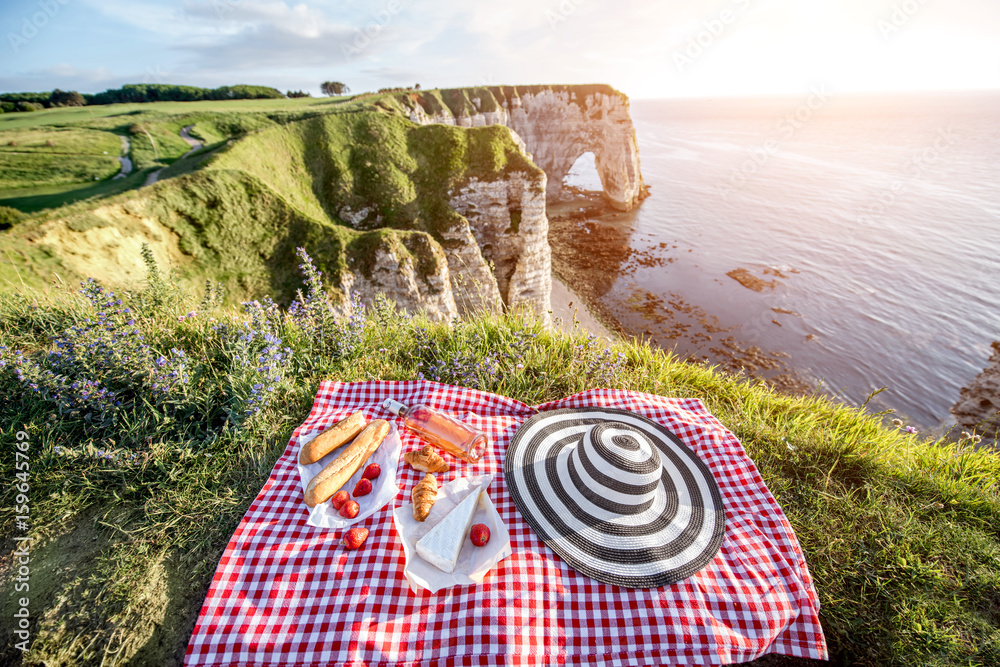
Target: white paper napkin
384	487
473	562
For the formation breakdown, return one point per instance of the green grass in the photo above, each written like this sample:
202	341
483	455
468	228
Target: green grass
399	172
902	536
24	265
61	141
82	134
48	167
76	115
34	200
24	170
191	163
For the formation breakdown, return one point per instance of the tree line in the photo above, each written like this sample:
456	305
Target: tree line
132	93
158	92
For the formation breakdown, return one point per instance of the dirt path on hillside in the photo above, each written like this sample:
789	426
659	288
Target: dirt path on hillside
191	141
124	159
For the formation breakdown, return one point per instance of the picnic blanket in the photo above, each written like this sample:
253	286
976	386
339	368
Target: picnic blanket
285	593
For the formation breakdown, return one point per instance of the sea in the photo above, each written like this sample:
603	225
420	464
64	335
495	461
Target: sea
856	237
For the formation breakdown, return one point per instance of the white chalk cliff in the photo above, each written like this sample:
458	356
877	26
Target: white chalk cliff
498	256
508	223
557	124
394	270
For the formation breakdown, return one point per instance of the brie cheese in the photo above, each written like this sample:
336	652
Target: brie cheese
442	544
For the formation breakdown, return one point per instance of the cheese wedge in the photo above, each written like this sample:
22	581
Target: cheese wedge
440	547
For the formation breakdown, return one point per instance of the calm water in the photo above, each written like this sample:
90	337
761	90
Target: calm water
882	216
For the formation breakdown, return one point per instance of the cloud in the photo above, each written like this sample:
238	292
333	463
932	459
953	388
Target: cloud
220	35
267	48
67	71
394	75
239	15
273	35
66	77
154	17
270	47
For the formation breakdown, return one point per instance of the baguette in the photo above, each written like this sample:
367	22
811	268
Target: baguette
336	436
337	472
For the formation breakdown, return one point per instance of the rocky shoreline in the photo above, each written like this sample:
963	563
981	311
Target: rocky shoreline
589	238
978	406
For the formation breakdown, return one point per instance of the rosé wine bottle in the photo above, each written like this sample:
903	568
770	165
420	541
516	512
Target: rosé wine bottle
455	437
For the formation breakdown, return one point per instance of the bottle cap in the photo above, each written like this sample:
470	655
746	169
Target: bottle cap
395	407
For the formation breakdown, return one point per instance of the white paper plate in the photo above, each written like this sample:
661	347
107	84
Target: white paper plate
384	487
473	562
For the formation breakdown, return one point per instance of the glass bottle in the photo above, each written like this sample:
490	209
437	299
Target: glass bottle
455	437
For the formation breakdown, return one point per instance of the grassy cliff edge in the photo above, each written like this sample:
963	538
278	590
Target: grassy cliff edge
132	506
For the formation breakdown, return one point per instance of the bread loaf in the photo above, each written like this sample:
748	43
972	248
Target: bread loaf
337	472
336	436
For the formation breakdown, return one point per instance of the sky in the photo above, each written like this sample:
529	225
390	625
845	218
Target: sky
669	48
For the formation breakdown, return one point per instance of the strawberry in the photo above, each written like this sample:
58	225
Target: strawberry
480	535
372	471
339	498
350	509
363	487
354	538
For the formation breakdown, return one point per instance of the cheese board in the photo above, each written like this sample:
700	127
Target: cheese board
442	539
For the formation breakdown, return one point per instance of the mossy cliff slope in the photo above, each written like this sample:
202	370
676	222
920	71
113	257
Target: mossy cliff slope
382	203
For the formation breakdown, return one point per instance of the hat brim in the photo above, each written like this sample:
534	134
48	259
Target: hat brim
675	537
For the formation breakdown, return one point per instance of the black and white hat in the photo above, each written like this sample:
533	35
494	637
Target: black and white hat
617	495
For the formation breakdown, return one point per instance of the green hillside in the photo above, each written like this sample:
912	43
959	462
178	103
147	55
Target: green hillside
153	132
152	129
237	217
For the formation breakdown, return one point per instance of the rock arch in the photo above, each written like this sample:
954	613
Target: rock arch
557	124
557	128
583	173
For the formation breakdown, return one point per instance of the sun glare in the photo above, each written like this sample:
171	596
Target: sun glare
742	48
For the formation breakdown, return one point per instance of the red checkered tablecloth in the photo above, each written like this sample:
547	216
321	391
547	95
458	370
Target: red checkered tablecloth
286	594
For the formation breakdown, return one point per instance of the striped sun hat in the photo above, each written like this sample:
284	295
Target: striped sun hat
618	496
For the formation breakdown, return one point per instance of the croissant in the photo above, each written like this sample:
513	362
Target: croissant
423	495
426	460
